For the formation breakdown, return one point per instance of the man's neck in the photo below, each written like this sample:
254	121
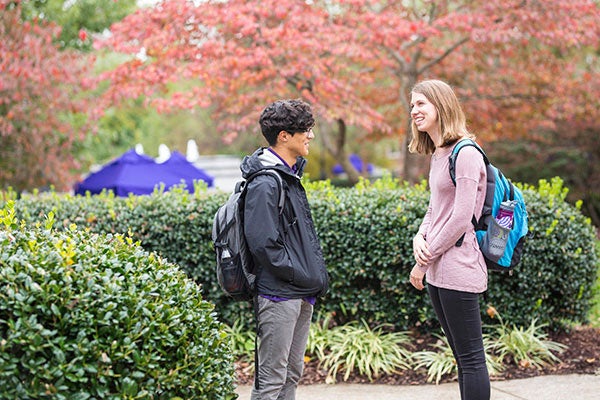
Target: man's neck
285	155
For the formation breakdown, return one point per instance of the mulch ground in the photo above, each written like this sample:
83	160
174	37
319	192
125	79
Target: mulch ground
581	357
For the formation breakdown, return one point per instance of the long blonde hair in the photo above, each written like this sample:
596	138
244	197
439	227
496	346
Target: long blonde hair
451	118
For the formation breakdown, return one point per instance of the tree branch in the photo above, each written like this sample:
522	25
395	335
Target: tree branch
443	55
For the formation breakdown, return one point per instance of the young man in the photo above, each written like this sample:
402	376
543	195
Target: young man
287	255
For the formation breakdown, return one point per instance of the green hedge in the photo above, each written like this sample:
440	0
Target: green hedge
366	232
88	316
556	280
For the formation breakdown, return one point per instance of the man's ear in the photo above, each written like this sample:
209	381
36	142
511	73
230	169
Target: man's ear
282	136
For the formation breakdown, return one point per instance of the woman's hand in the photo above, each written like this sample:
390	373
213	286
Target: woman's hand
416	277
421	250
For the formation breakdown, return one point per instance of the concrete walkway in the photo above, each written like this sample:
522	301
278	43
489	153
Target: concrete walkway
549	387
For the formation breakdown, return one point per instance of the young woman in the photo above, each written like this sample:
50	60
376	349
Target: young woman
455	275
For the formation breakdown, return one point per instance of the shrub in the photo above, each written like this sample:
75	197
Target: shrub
366	232
87	316
554	282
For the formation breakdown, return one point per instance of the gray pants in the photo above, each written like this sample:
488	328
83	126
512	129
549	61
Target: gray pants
283	332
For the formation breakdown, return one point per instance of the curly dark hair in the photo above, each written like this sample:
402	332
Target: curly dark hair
291	116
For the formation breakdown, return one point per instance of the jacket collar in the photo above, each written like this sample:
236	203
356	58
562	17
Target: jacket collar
263	158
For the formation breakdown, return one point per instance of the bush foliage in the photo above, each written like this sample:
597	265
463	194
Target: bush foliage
366	232
85	316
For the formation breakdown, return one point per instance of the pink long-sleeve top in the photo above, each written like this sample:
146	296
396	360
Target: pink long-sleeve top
449	216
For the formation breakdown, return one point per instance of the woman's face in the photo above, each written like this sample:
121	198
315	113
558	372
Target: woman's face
423	114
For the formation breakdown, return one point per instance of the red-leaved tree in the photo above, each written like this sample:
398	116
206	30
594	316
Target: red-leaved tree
514	63
517	65
39	99
243	55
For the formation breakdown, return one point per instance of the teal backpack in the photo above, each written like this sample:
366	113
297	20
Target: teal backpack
501	240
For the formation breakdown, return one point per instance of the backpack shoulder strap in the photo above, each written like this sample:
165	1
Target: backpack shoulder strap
452	169
273	172
461	144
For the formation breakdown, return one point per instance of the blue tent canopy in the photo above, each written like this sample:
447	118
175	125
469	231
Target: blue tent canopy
139	174
177	162
356	162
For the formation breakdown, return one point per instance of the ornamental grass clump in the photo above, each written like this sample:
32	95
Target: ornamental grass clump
440	361
527	347
368	351
437	362
89	316
319	336
242	340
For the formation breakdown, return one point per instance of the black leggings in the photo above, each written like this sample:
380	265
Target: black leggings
458	313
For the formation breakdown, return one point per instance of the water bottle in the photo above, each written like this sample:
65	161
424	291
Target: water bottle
506	214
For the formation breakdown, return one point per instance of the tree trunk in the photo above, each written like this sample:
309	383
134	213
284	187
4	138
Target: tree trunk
338	151
413	166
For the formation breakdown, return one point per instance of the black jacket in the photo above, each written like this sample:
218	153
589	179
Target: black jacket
286	252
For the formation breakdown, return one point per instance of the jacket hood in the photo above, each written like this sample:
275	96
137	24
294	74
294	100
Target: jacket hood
262	159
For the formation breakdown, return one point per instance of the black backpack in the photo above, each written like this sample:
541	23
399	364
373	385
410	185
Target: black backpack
235	268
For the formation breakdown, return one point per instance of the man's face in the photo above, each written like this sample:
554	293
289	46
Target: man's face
300	142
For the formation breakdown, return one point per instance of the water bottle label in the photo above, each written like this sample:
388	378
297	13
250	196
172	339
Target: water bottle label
505	215
505	221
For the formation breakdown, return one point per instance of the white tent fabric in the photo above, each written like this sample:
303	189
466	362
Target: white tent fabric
192	153
163	153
